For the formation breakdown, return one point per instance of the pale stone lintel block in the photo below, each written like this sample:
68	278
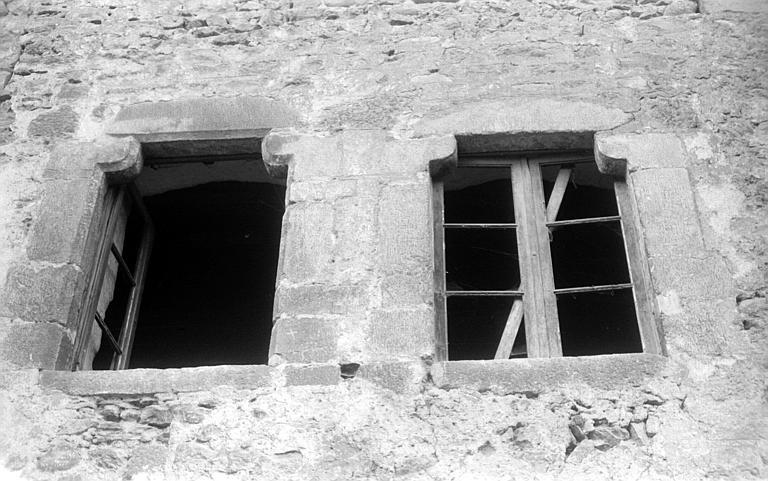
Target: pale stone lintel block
203	119
119	158
614	371
747	6
524	125
355	152
618	154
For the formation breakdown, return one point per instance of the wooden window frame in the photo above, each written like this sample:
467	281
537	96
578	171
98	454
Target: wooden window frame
535	300
116	196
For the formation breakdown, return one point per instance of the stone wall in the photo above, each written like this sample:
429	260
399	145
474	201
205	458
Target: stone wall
410	69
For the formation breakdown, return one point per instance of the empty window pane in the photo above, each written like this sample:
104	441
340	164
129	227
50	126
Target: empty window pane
475	325
598	323
588	255
588	193
479	195
481	259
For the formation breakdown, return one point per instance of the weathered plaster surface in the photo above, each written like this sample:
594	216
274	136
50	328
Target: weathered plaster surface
68	67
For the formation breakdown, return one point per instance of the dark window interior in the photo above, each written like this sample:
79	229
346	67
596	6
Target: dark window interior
211	279
583	255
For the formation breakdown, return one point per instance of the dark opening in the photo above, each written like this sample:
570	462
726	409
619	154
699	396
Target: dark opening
583	255
586	255
480	258
211	279
475	325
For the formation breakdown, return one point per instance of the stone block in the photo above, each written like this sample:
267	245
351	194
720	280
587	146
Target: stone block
41	294
401	334
524	124
203	118
693	277
405	228
308	191
356	152
19	381
356	239
308	243
746	6
64	218
319	299
702	327
400	377
613	371
667	212
323	375
149	381
30	345
306	339
616	154
408	290
57	123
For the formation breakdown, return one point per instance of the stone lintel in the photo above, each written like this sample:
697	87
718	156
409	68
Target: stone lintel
524	125
355	152
203	119
613	371
618	154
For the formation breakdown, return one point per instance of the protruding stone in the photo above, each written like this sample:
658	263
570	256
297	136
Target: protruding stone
60	122
58	458
156	416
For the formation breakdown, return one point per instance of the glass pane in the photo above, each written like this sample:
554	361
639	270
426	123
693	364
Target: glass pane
479	195
588	194
598	323
588	255
481	259
475	325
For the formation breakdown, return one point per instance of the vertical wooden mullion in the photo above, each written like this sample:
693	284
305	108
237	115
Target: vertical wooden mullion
441	308
128	329
542	330
547	278
638	268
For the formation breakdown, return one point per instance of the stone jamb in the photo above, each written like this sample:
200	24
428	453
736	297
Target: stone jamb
694	297
44	294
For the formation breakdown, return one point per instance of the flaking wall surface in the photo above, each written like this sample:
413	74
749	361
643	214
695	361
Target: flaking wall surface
66	69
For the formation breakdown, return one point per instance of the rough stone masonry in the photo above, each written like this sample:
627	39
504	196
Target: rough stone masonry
673	94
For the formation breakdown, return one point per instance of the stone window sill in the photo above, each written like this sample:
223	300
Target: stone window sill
614	371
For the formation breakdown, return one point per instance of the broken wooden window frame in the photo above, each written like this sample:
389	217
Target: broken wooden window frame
536	298
116	197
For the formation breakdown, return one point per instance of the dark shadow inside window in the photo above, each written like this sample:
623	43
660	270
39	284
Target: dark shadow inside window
211	279
475	325
598	323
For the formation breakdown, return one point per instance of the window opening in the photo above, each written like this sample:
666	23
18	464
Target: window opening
535	261
208	290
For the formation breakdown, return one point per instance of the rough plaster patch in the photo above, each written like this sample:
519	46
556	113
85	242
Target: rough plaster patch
669	303
699	145
719	205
